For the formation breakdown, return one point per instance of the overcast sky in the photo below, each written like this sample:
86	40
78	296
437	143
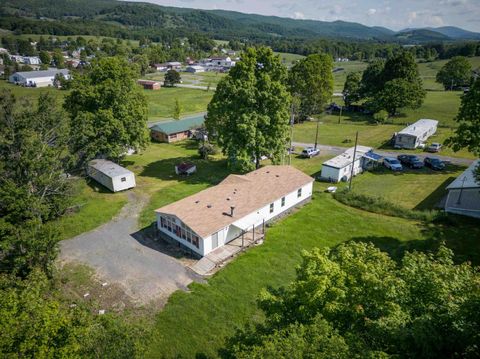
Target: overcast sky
395	15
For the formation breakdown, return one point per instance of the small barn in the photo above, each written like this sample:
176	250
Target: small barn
340	168
149	85
195	69
464	194
185	168
176	130
415	134
37	78
109	174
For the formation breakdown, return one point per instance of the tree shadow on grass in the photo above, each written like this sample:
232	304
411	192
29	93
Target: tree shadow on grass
449	169
435	199
460	234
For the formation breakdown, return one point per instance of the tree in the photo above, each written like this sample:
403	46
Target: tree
311	80
109	111
45	57
399	93
357	298
61	82
401	66
58	59
142	63
372	78
172	78
249	111
456	72
351	89
467	134
33	187
177	110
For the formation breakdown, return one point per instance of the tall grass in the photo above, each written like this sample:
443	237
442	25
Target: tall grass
381	206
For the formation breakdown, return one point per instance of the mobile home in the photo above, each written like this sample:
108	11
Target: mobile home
219	214
464	193
416	134
114	177
340	168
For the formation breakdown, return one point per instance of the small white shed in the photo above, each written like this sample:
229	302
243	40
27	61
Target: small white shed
114	177
340	168
415	134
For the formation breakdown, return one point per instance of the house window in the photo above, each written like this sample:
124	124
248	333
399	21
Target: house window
283	201
271	207
215	240
195	241
299	192
123	179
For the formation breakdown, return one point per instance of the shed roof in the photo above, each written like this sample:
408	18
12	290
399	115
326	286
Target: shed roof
419	127
346	158
176	126
109	168
43	73
208	211
466	179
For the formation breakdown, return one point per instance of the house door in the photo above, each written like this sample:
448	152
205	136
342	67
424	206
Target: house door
214	240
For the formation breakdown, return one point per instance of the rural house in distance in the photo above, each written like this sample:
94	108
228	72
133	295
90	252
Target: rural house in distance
176	130
217	215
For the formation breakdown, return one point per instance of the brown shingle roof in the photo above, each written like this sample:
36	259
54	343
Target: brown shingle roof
206	212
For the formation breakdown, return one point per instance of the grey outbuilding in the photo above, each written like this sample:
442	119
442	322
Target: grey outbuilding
114	177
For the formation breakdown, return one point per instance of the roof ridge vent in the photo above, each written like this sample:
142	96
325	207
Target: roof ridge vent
209	206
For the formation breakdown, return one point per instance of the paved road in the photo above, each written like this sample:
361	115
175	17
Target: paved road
336	150
120	255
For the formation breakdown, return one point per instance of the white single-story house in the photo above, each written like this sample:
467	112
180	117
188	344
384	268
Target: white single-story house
414	135
195	69
114	177
160	67
464	193
37	78
31	60
219	214
340	168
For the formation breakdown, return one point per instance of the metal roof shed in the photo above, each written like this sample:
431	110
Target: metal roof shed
114	177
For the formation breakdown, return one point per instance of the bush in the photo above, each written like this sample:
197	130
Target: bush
207	149
381	206
380	116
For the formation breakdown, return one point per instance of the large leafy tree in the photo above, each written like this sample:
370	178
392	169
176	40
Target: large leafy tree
172	78
351	89
399	93
33	186
456	72
372	78
467	134
357	298
311	80
249	111
108	111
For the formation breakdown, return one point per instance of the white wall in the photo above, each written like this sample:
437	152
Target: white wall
119	185
201	241
336	174
469	202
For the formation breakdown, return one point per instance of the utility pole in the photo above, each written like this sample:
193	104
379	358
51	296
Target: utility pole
353	162
340	116
316	134
292	121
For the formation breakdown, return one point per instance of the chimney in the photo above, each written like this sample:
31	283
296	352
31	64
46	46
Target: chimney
232	209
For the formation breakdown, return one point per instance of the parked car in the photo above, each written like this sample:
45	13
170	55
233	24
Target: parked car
392	164
411	161
310	152
434	163
434	147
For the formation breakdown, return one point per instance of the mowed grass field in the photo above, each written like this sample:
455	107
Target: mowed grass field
206	78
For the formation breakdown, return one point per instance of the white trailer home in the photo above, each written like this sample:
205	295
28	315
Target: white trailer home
37	78
414	135
114	177
340	168
464	194
215	216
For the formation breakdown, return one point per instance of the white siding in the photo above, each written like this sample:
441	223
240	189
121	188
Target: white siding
200	250
114	184
469	202
336	174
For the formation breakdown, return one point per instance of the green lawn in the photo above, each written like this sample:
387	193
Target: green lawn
30	92
161	103
339	77
92	205
199	79
289	59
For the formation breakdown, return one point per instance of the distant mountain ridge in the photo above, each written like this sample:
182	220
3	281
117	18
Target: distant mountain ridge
221	24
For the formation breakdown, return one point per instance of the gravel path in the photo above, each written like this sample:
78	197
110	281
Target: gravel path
336	150
120	254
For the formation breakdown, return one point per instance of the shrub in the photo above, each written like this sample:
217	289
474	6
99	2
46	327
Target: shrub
381	206
380	116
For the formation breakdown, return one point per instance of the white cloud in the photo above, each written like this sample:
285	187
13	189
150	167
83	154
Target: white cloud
298	15
371	12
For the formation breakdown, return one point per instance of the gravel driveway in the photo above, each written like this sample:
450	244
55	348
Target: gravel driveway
146	274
